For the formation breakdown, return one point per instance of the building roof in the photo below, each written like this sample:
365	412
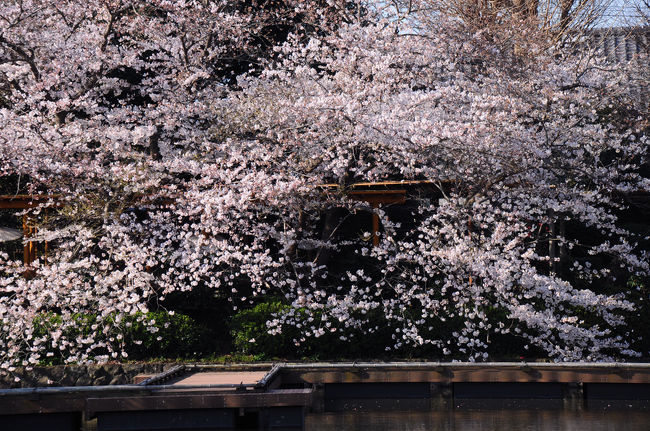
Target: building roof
621	44
8	234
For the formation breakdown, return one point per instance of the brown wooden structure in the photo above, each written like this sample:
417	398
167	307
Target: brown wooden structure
376	198
283	396
375	194
25	203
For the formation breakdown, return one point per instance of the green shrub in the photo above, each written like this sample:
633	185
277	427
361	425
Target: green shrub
156	334
250	333
159	334
250	336
82	325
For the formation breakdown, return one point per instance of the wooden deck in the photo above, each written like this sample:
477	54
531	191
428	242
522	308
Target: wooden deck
220	378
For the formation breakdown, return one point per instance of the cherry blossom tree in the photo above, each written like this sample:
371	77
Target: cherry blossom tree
519	139
172	176
103	103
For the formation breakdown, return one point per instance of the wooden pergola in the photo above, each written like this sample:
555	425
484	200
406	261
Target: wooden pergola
25	203
375	194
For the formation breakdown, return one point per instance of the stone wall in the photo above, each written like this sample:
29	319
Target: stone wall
79	375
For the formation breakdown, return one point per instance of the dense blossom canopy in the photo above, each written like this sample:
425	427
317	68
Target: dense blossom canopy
172	175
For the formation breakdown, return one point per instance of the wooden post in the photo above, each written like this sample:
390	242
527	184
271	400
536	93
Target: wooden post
29	249
27	202
375	198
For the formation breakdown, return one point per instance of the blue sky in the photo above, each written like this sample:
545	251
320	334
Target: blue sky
620	13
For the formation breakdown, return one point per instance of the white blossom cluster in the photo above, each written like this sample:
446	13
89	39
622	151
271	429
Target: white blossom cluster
170	179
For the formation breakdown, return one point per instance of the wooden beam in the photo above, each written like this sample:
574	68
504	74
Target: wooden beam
23	202
376	197
449	373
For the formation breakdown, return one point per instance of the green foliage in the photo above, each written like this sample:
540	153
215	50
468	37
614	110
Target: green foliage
156	334
83	324
250	333
250	336
163	335
45	323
